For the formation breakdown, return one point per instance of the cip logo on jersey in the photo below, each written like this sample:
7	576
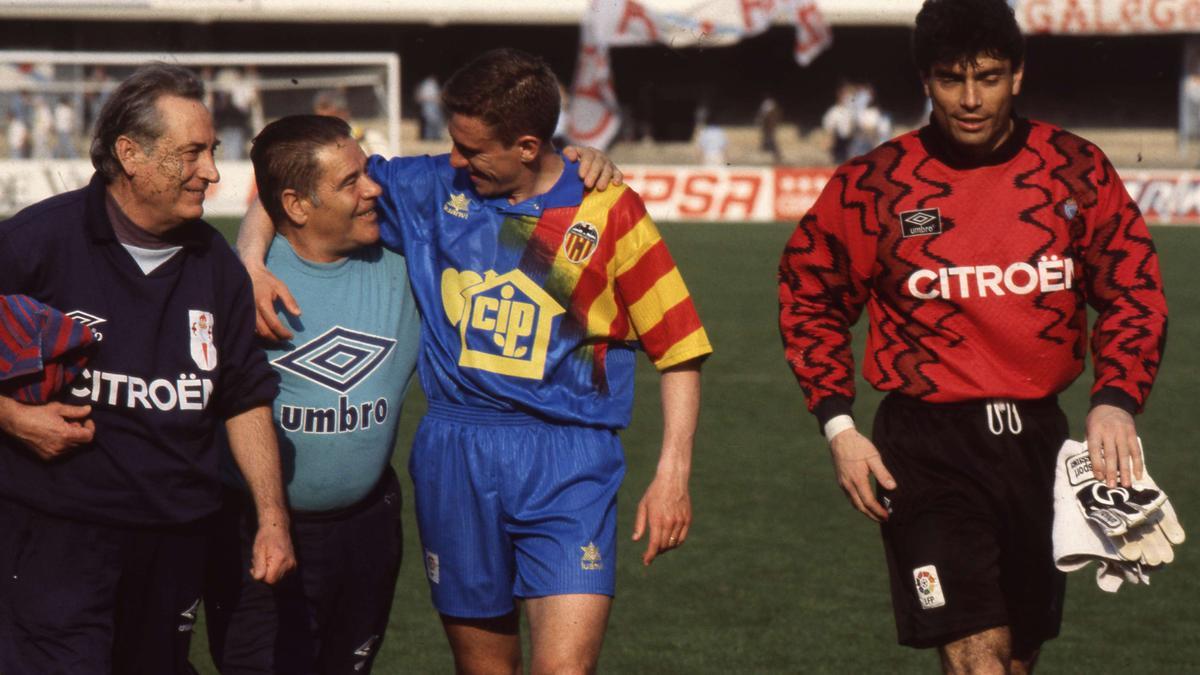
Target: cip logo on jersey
504	321
204	350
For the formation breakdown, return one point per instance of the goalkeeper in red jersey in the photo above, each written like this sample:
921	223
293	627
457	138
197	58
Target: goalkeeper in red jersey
975	244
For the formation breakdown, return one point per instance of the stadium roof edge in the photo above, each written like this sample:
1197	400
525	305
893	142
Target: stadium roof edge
561	12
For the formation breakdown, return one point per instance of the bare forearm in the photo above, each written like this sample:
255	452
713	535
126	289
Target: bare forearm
254	447
254	235
680	390
9	409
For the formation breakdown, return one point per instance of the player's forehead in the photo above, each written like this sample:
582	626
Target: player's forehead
340	160
973	64
471	132
184	122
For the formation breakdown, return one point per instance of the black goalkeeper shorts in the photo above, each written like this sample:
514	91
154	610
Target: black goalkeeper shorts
968	540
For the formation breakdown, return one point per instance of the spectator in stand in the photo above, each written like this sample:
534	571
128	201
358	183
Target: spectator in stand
65	130
99	88
42	128
333	102
768	119
871	125
231	112
838	122
17	135
429	98
712	143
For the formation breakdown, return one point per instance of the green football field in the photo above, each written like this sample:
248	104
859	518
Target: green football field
780	574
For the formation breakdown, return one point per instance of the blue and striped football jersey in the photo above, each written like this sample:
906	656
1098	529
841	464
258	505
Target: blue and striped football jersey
539	306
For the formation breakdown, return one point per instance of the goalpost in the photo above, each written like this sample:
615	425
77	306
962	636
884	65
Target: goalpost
49	100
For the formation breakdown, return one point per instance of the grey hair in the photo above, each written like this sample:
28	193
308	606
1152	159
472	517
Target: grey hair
132	111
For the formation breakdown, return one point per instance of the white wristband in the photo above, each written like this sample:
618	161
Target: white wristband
837	425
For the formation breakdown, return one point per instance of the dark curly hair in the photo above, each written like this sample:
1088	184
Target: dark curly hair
956	31
513	92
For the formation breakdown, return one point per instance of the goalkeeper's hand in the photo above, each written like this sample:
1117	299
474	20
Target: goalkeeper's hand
856	461
1115	510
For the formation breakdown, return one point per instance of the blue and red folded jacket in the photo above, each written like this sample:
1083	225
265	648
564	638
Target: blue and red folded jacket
41	349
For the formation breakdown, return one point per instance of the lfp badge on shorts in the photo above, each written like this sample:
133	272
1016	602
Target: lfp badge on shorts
929	587
204	350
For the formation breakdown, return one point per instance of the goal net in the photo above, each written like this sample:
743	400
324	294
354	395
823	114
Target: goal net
49	102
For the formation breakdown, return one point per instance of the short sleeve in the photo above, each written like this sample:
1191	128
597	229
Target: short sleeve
406	203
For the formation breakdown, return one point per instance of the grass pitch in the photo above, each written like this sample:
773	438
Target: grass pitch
780	574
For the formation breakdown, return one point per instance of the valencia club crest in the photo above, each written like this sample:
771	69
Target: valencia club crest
580	242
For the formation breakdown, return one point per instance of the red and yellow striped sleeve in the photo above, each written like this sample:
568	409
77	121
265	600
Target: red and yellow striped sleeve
658	310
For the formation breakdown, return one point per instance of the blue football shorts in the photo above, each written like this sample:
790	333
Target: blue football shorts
510	506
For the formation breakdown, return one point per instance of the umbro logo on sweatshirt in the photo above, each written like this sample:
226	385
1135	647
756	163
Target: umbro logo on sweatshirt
338	359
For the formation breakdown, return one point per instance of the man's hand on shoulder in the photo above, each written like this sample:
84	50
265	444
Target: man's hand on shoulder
272	555
855	461
49	429
1113	445
595	168
267	289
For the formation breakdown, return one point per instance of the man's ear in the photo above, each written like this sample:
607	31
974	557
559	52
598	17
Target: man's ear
128	152
530	146
296	206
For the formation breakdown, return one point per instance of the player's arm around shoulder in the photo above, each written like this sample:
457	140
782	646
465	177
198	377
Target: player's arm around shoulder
253	242
665	510
596	169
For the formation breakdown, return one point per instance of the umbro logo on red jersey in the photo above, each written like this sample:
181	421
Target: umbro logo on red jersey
921	222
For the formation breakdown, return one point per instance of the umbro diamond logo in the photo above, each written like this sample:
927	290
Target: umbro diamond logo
921	222
337	360
85	318
89	320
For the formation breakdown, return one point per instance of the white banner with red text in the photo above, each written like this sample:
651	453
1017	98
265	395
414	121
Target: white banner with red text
671	193
594	110
1109	17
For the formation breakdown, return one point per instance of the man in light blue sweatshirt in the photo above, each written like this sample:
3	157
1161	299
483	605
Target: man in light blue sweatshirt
344	375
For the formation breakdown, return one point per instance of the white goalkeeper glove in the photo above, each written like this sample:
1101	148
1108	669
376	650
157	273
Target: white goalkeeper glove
1114	510
1150	542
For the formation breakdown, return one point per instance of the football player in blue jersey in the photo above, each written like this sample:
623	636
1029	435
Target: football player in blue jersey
535	292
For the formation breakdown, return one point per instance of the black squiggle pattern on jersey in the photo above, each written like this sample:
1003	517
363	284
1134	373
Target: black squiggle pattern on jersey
972	310
1027	180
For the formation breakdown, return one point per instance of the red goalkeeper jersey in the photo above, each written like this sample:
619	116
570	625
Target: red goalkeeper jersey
974	277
